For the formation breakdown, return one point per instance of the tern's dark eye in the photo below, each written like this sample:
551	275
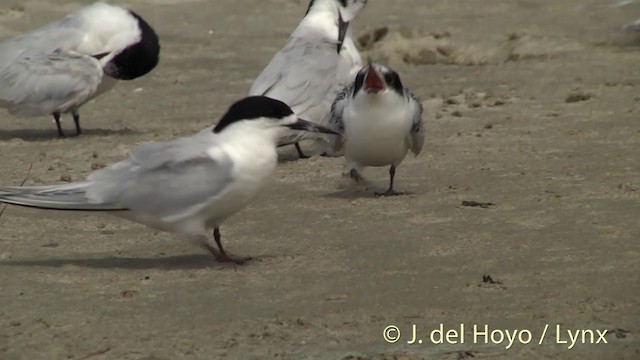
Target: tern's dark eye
393	81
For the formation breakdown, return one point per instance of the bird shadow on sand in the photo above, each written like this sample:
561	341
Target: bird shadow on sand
350	194
179	262
364	193
285	156
52	134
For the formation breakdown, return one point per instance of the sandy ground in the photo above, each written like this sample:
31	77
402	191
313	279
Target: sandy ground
532	106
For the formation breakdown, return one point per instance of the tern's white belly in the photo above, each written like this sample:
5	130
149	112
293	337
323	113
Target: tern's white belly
253	167
376	139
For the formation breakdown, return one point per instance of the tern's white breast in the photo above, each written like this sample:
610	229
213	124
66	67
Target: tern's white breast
376	132
254	161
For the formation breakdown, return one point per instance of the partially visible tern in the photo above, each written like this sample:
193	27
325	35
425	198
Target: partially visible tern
317	61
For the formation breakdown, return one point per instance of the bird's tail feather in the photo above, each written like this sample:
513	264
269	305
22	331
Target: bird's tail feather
55	197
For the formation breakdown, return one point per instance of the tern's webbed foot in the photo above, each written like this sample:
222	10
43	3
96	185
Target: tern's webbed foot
390	192
224	258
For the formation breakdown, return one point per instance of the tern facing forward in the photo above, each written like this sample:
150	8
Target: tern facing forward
189	185
381	120
316	62
61	66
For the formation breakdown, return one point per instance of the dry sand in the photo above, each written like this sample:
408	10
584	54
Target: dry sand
532	106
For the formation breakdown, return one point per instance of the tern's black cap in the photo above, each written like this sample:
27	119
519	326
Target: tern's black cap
253	107
139	58
342	2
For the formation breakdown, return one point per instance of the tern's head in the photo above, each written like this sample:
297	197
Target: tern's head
348	9
125	44
264	114
332	13
375	81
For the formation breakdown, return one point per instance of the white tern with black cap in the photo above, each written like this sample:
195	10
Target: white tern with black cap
189	185
59	67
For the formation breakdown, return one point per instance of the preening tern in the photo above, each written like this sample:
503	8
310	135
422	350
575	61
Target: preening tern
59	67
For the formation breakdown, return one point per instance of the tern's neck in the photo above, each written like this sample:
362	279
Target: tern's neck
323	13
320	6
252	150
251	135
388	99
322	20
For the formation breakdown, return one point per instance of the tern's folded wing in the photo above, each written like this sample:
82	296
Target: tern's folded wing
303	75
335	122
45	83
165	181
168	180
417	128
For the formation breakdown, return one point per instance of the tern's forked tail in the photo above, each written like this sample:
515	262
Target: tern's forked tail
54	197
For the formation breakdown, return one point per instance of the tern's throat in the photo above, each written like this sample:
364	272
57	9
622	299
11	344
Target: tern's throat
323	15
251	140
318	6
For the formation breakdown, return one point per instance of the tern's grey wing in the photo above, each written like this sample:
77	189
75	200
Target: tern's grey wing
335	122
417	128
60	36
622	3
303	75
162	181
45	83
167	180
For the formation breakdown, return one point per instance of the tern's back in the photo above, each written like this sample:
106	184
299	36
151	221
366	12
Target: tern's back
42	41
87	31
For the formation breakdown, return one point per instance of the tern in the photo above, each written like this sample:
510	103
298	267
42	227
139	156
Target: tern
381	120
319	58
61	66
188	185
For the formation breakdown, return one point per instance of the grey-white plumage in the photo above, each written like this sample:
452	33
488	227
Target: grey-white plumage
343	98
632	26
188	185
381	120
61	66
48	83
620	3
302	74
318	59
